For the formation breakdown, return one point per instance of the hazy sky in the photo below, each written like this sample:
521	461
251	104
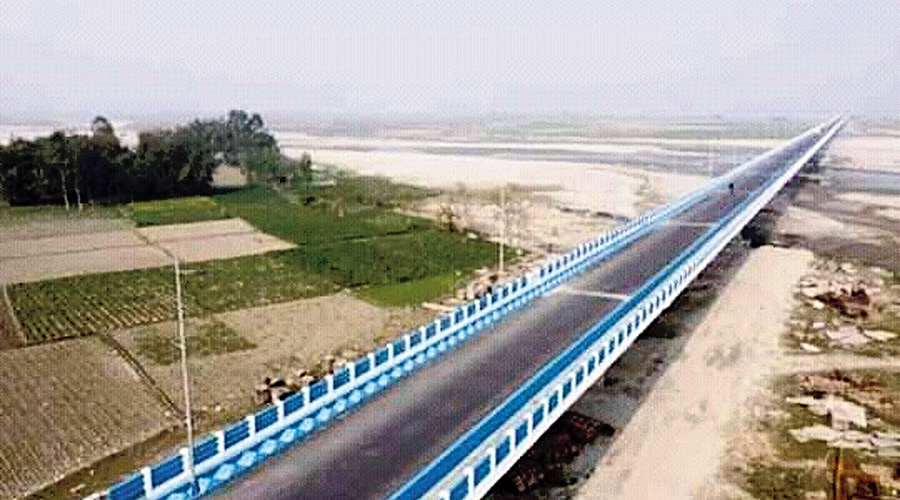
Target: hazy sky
590	57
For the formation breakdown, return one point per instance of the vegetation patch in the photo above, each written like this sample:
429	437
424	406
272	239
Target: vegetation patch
205	339
176	211
410	292
318	218
776	482
84	305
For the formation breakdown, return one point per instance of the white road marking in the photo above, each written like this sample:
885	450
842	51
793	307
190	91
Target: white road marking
590	293
689	223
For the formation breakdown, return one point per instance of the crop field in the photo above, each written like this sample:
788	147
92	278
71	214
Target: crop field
176	210
319	221
84	305
410	292
347	236
66	405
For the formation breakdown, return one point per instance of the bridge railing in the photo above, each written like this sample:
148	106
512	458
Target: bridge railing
471	465
244	444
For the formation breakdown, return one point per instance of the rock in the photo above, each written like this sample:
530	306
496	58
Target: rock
810	292
810	348
879	335
847	336
817	326
817	304
816	432
847	268
808	283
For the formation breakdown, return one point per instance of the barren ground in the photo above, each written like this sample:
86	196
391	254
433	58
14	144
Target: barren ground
36	251
288	337
66	405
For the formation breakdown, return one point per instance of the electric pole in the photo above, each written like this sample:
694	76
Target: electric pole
502	225
182	344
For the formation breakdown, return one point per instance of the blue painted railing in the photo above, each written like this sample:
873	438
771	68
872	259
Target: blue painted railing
246	443
493	445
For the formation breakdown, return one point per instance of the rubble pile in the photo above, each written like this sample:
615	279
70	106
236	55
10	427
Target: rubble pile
841	302
852	403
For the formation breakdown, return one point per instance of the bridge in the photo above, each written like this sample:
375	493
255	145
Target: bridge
444	411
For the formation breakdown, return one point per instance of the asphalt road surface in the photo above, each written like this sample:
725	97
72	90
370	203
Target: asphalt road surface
371	452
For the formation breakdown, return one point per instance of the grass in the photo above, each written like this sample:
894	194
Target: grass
317	222
41	212
176	211
410	292
776	482
208	338
796	417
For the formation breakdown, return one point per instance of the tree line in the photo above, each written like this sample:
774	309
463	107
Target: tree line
97	168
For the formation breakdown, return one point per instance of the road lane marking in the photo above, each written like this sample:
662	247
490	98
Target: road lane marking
590	293
685	223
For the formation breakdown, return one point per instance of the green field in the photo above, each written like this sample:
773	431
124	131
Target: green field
410	292
348	236
45	212
176	211
84	305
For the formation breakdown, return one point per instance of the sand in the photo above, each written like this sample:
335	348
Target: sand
806	223
619	145
866	152
65	405
873	199
674	444
600	188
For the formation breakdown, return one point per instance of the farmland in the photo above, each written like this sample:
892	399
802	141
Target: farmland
66	405
84	305
410	292
176	210
347	236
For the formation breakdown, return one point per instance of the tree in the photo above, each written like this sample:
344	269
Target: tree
304	169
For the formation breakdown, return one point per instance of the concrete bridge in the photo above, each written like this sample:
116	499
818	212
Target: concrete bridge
443	412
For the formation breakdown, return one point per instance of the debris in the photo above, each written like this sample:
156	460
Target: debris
847	336
879	335
843	413
847	268
855	304
810	348
585	429
816	432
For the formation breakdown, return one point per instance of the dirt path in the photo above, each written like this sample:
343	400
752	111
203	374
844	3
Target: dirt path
673	444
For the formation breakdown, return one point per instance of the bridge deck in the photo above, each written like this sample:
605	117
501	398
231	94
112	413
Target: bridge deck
373	451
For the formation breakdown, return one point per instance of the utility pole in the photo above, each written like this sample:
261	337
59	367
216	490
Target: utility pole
502	225
182	344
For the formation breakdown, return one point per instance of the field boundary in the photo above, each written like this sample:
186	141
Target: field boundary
145	377
16	332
